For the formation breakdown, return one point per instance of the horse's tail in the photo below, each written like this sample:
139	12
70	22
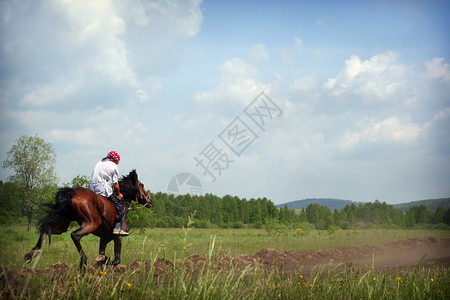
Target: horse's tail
56	221
58	216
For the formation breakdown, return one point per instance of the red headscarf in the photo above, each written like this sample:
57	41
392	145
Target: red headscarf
112	156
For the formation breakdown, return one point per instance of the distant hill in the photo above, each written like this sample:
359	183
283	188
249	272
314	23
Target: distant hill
329	202
332	204
430	204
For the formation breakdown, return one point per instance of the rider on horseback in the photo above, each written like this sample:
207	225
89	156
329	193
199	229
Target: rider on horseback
105	181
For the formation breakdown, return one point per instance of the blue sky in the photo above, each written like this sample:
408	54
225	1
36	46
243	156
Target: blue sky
359	91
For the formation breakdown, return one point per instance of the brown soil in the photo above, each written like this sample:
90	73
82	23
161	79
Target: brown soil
401	255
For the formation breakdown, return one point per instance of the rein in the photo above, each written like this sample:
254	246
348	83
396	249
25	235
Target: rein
136	206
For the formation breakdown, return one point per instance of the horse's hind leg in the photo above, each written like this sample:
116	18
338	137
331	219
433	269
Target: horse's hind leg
29	256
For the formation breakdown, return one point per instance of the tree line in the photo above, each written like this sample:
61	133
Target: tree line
232	212
34	183
209	211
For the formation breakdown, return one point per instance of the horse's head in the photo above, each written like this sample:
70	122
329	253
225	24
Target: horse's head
144	197
133	189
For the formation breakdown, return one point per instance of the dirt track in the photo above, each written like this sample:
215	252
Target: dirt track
405	254
401	255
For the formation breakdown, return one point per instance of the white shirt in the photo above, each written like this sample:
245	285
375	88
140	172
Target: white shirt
105	174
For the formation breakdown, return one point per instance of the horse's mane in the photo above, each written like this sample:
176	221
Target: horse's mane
129	186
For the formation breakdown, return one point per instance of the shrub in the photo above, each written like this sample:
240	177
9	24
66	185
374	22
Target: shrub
202	223
333	228
304	229
238	224
441	226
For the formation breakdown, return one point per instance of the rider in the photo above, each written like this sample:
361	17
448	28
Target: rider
105	181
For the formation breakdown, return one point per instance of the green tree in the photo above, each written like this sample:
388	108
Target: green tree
78	181
446	217
141	218
10	207
32	160
438	215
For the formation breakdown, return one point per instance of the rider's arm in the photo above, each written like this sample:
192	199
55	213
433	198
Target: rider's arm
116	189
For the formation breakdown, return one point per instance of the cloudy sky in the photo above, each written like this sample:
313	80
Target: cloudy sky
282	99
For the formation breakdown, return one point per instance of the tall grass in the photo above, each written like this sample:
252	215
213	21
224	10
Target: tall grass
252	283
15	242
212	283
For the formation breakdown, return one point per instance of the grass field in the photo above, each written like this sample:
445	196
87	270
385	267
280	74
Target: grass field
254	283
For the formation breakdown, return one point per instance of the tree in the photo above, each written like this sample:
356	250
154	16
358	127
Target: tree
78	181
33	161
438	215
446	217
9	204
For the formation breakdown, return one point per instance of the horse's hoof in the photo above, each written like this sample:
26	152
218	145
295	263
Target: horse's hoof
115	263
28	257
100	258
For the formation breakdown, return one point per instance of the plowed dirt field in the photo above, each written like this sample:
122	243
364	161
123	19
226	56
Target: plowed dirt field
400	255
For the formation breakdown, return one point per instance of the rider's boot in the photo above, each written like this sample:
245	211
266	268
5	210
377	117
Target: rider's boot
118	230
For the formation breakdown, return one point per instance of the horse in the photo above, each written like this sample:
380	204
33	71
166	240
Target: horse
94	213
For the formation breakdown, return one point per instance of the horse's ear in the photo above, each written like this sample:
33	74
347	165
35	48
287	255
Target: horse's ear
133	176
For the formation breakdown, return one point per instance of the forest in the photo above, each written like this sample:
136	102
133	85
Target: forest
211	211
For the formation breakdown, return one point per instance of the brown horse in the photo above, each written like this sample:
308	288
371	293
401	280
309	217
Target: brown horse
94	213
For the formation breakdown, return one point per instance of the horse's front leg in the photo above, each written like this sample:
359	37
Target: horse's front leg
101	257
117	250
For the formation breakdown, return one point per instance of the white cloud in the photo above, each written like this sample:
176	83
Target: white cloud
259	51
85	137
298	42
438	69
97	26
181	17
306	83
157	31
237	69
50	94
379	78
389	130
144	94
95	42
238	84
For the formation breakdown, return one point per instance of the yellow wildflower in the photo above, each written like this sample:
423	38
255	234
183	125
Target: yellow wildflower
103	272
127	284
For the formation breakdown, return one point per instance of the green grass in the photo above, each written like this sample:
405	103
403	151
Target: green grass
151	244
180	243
